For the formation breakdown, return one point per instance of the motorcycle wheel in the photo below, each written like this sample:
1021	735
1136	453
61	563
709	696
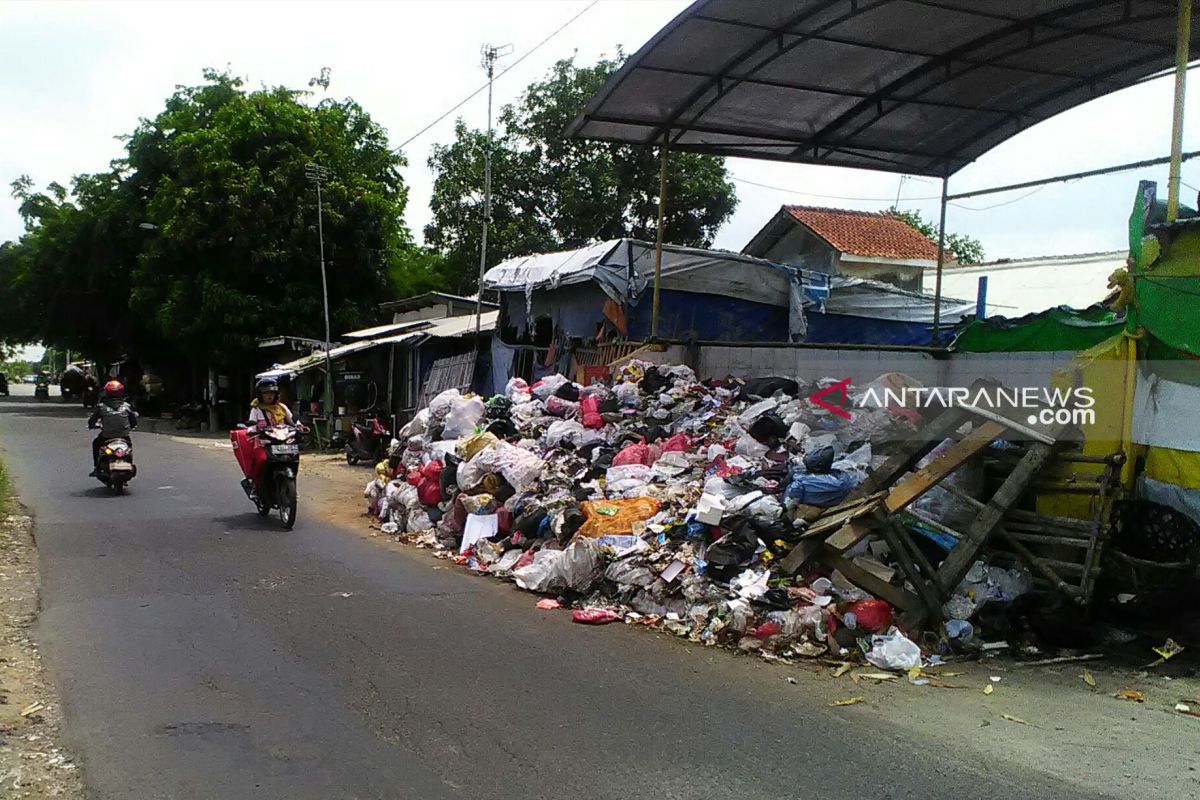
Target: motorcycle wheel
285	496
262	508
117	487
350	459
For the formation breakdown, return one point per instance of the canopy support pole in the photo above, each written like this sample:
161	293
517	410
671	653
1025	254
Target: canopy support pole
658	240
941	257
1183	37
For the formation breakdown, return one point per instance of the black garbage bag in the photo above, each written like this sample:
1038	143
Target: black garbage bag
572	522
768	429
653	433
766	387
498	407
610	405
529	521
502	428
819	462
731	554
568	391
653	382
449	476
775	599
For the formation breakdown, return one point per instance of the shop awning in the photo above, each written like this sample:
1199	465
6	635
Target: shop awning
915	86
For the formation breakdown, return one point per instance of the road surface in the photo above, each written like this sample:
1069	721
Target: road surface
202	652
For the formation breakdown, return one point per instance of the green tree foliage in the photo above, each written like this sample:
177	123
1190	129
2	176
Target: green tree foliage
203	237
966	249
551	193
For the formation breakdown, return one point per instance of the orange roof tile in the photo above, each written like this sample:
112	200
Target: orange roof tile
864	233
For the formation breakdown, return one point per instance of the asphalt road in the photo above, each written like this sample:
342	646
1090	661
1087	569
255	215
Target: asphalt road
202	652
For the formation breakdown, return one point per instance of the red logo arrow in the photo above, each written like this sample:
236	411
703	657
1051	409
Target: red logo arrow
838	388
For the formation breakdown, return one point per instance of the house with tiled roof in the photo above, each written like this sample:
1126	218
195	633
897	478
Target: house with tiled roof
856	244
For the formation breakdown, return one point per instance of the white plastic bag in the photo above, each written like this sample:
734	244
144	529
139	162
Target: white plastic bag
440	406
894	651
749	447
517	391
548	386
542	575
670	465
463	416
627	393
415	426
520	468
747	417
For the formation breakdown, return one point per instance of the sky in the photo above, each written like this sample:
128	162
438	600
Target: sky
79	74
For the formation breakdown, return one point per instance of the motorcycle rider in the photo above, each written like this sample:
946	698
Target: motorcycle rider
266	407
115	418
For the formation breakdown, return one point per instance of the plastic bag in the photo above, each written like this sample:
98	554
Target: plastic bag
517	390
580	564
679	443
568	431
558	407
627	394
747	417
464	415
626	573
415	426
622	473
671	465
615	516
894	651
520	467
821	490
594	616
547	386
468	447
440	405
589	408
430	491
750	448
872	615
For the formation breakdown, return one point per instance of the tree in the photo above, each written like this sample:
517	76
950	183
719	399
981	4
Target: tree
966	249
551	193
203	238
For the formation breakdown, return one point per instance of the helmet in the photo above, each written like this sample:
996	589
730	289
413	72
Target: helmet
114	389
266	385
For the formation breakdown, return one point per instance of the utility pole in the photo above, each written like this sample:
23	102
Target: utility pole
490	54
316	173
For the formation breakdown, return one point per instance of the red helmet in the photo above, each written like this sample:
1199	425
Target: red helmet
114	389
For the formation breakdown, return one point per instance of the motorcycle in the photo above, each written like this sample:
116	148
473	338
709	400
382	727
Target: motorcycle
269	456
91	395
115	467
370	442
41	391
3	384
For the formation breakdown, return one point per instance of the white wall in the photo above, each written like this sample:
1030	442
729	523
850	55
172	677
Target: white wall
1026	286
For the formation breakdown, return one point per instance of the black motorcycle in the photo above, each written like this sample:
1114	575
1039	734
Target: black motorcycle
115	467
3	384
41	389
276	484
370	442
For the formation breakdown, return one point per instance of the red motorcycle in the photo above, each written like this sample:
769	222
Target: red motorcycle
269	456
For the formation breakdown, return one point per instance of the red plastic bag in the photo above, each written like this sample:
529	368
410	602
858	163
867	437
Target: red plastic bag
590	406
432	471
430	492
640	453
503	519
679	443
594	616
558	407
872	615
414	477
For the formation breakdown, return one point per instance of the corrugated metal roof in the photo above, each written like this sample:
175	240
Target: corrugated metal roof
462	325
380	330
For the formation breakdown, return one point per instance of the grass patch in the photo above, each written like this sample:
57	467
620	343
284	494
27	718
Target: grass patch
5	489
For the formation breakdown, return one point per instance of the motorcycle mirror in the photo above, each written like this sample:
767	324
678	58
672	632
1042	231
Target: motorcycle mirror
241	426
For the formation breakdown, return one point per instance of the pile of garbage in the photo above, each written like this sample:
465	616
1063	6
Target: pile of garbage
665	501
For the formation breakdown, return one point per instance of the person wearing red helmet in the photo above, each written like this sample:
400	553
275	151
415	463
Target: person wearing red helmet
115	418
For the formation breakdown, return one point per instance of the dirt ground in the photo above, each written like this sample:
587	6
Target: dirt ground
32	762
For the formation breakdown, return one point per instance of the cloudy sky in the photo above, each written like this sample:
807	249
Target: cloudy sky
78	74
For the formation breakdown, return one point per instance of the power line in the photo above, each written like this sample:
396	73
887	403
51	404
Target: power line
527	54
997	205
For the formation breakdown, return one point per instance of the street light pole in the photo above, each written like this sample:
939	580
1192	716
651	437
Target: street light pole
316	173
490	54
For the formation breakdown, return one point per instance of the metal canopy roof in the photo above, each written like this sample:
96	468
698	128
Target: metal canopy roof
916	86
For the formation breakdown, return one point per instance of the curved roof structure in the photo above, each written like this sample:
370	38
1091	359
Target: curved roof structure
916	86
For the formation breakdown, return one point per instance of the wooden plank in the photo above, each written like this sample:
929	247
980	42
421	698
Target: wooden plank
1035	538
835	517
842	539
903	460
925	478
896	536
1010	424
864	580
956	565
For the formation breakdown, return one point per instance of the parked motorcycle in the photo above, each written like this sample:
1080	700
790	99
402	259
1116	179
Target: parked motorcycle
269	456
3	384
115	467
369	443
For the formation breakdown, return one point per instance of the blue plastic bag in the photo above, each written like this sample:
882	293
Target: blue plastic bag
820	490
